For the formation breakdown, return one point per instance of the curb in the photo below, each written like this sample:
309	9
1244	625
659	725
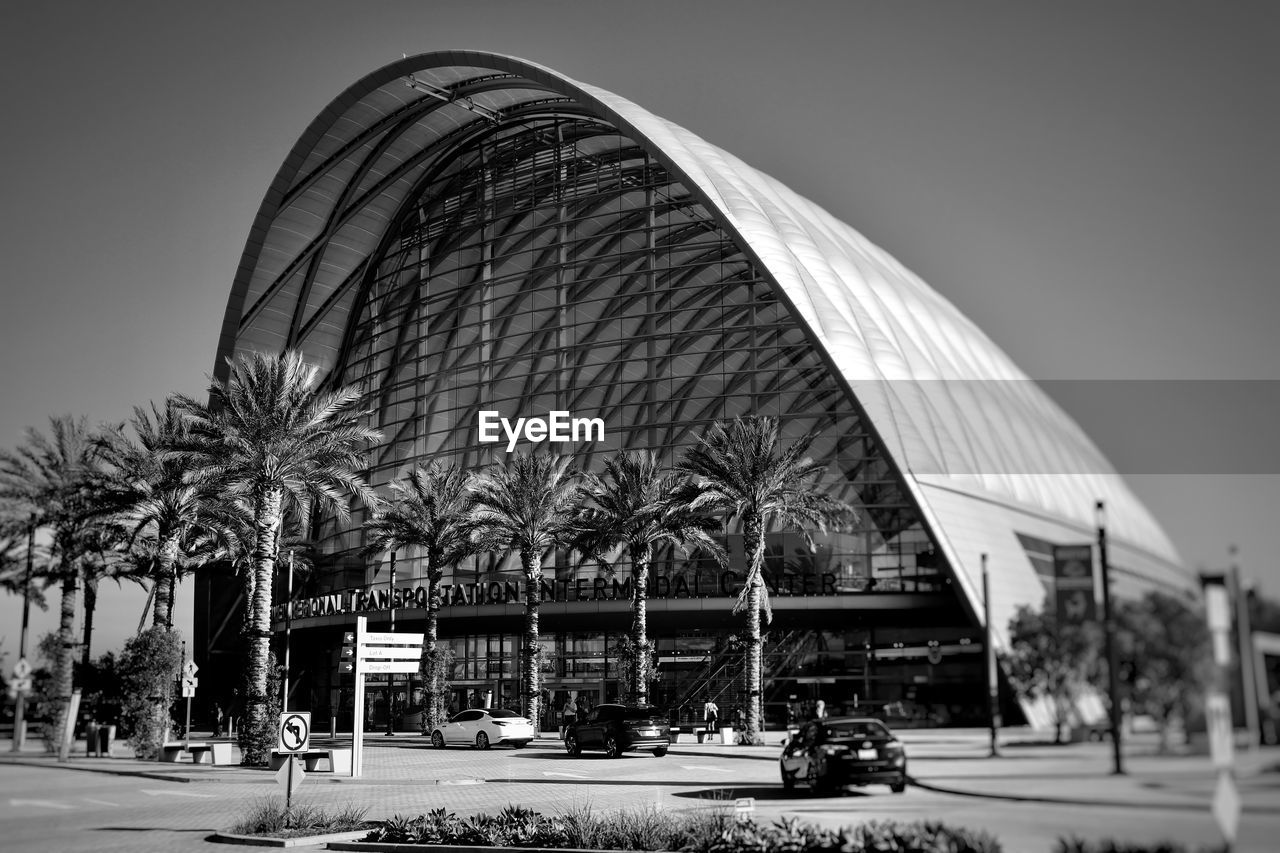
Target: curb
388	847
1061	801
296	841
107	771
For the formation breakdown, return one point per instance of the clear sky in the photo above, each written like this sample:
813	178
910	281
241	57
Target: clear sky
1095	184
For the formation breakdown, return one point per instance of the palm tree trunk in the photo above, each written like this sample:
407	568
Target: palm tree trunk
639	675
430	659
62	671
532	563
90	605
753	540
257	737
166	556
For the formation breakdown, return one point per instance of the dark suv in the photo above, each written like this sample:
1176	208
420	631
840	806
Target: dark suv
620	728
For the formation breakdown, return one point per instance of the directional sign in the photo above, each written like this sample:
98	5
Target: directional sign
348	638
348	651
294	732
404	653
290	776
188	690
346	666
1226	806
190	669
385	639
21	669
394	667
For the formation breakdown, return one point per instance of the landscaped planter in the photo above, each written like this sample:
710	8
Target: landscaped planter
384	847
295	841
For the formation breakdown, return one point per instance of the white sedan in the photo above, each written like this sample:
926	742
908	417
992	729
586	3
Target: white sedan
483	727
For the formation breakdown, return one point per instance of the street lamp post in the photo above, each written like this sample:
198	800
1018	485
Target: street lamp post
1109	629
288	633
391	678
993	688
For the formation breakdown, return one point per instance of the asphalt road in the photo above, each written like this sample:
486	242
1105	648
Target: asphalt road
54	809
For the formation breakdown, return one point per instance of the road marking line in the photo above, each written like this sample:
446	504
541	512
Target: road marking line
101	802
155	793
705	767
48	804
567	775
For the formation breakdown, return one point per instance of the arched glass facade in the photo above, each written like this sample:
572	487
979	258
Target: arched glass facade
464	232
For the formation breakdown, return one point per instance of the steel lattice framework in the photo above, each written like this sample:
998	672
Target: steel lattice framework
461	231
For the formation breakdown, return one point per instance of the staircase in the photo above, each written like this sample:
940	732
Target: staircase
718	677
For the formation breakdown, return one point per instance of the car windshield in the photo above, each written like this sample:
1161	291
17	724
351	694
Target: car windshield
641	712
502	713
861	729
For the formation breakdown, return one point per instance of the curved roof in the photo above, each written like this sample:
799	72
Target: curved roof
954	412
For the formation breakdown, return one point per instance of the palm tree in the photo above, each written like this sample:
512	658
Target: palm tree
427	511
744	472
271	437
55	478
630	508
153	493
525	506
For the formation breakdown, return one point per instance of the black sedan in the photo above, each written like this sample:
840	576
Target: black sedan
833	753
620	728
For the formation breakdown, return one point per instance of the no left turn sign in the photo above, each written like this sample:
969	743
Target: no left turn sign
294	732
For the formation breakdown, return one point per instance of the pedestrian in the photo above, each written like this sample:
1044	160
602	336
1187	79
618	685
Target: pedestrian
568	716
711	714
218	717
820	709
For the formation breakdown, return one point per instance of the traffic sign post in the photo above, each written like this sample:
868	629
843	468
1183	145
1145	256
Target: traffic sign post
381	652
189	682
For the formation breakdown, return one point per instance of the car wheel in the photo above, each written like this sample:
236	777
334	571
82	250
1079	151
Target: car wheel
788	780
660	751
437	740
571	744
898	787
482	741
611	747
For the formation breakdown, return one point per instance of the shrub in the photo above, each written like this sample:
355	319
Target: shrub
270	818
1110	845
705	831
148	667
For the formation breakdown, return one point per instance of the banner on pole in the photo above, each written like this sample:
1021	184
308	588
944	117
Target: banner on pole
1073	584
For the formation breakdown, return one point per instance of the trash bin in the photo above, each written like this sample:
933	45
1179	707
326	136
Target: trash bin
106	735
727	736
91	738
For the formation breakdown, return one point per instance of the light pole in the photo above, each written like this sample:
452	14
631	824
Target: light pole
1244	640
993	687
1109	629
391	678
288	632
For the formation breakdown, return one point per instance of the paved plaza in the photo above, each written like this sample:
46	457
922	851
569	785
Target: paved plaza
1028	797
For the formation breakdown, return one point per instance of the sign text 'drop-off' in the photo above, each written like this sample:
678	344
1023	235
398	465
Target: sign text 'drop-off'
384	639
388	667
